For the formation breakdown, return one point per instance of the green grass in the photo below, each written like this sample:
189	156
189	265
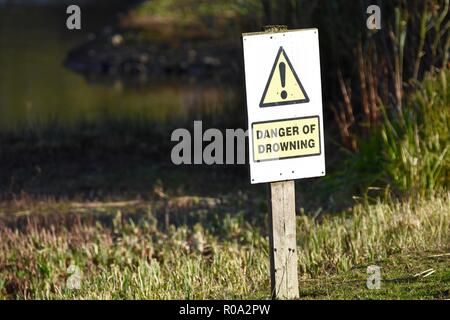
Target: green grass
207	253
168	20
407	152
195	9
415	144
401	278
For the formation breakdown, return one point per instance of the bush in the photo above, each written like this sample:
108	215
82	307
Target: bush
415	144
408	151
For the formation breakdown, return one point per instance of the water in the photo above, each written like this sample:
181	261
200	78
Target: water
36	89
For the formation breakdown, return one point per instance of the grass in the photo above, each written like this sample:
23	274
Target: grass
192	19
415	145
406	152
124	251
401	278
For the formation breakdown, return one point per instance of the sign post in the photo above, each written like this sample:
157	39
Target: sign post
284	108
282	238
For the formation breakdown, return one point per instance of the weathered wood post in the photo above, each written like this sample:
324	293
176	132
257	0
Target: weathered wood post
283	246
282	238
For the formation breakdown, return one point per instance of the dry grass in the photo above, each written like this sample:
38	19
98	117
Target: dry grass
126	253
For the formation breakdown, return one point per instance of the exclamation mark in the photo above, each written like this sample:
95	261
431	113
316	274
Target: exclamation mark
282	69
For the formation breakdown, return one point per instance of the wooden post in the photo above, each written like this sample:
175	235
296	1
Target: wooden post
283	245
282	238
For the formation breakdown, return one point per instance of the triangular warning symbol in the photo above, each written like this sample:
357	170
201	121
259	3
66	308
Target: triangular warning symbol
284	86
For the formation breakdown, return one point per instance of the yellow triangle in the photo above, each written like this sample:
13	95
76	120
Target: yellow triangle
284	86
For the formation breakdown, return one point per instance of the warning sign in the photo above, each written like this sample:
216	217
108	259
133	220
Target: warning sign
290	138
284	105
284	86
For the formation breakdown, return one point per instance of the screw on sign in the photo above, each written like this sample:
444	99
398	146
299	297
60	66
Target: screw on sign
286	136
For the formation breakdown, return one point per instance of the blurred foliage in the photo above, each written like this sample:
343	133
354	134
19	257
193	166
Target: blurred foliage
409	154
414	40
416	146
193	8
391	123
194	18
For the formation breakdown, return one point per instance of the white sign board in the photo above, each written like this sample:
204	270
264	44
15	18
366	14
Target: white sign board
284	105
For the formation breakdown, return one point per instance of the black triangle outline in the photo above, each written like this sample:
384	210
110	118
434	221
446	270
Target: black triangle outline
282	103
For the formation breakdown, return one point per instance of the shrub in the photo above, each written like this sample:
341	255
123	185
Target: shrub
415	144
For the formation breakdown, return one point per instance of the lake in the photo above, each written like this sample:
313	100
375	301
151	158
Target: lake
37	90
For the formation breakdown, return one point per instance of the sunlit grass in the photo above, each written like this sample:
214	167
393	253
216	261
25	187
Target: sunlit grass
126	254
415	144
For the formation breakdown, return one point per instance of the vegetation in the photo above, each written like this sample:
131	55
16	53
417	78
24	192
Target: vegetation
409	153
396	118
415	146
391	107
193	19
125	252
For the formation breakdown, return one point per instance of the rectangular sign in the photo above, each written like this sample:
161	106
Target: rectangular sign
284	105
285	139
